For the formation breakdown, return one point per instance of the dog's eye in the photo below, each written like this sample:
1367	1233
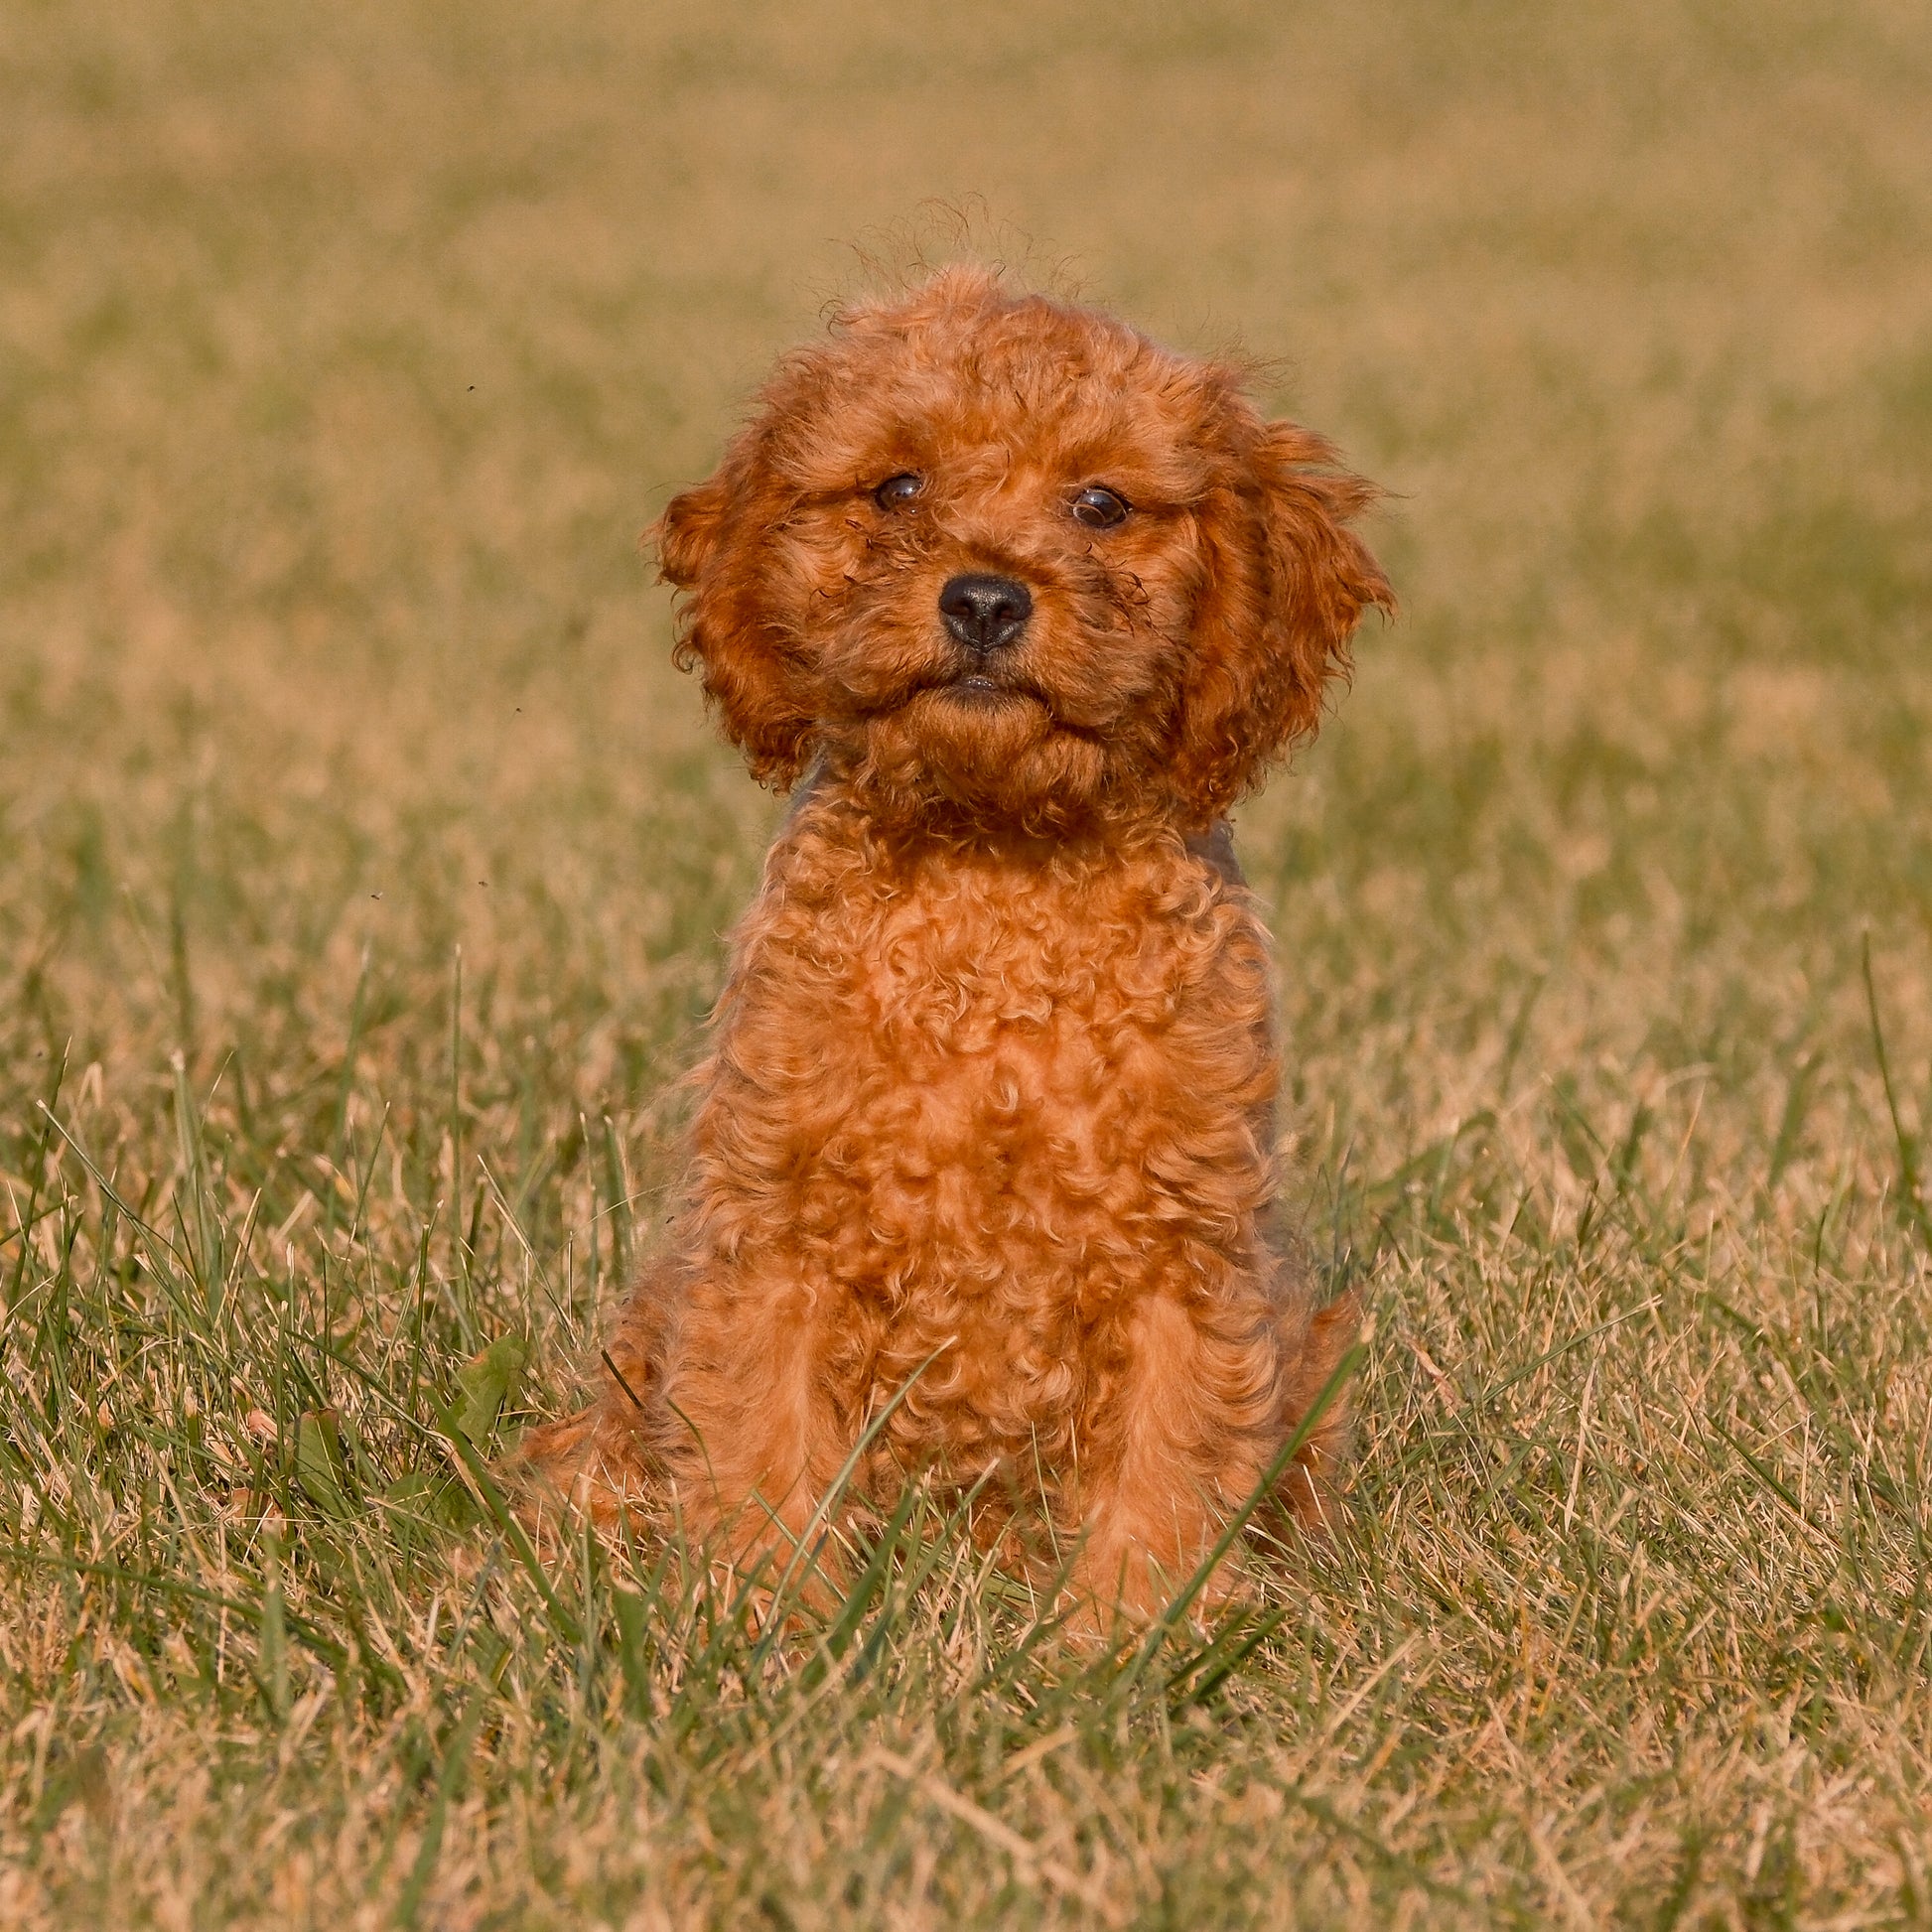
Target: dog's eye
899	490
1100	509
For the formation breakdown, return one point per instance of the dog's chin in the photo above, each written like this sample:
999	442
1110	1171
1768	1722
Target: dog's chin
992	749
982	692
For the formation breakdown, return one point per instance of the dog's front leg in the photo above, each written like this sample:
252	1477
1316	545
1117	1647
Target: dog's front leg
1170	1448
762	1441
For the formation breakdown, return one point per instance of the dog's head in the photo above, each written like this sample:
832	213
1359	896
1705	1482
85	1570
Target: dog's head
997	550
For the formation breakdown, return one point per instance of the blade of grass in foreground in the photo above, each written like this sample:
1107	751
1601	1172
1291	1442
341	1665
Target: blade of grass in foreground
1913	1207
449	1781
493	1500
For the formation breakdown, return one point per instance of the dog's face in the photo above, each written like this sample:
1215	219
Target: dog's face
1002	552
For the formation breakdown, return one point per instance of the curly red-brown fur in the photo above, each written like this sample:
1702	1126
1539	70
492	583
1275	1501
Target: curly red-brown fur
989	1111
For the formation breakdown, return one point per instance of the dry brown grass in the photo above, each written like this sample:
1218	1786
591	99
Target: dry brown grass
339	356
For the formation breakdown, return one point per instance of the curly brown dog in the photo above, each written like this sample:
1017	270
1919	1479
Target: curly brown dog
1019	603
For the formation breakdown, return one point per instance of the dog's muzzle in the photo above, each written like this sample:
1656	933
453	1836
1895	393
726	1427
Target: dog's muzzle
984	613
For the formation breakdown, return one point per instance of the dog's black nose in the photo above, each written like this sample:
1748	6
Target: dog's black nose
984	612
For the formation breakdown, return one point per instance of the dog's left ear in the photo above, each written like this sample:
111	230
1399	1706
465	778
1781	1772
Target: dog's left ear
1286	584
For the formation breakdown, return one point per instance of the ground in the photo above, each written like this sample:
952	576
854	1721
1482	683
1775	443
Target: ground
364	865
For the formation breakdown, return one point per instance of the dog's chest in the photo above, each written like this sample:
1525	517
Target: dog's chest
971	1045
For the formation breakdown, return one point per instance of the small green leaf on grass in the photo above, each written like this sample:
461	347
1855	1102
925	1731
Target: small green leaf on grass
423	1499
320	1466
488	1383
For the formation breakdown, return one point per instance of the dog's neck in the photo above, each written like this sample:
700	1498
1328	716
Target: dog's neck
1094	831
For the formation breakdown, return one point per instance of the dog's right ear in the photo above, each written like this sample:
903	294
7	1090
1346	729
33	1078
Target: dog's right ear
686	535
708	546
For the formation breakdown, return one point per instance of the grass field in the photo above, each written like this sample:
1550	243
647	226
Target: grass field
364	867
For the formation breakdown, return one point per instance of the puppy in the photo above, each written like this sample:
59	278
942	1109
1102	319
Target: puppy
1017	603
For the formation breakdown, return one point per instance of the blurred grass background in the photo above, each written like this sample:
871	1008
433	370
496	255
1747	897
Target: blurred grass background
342	355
